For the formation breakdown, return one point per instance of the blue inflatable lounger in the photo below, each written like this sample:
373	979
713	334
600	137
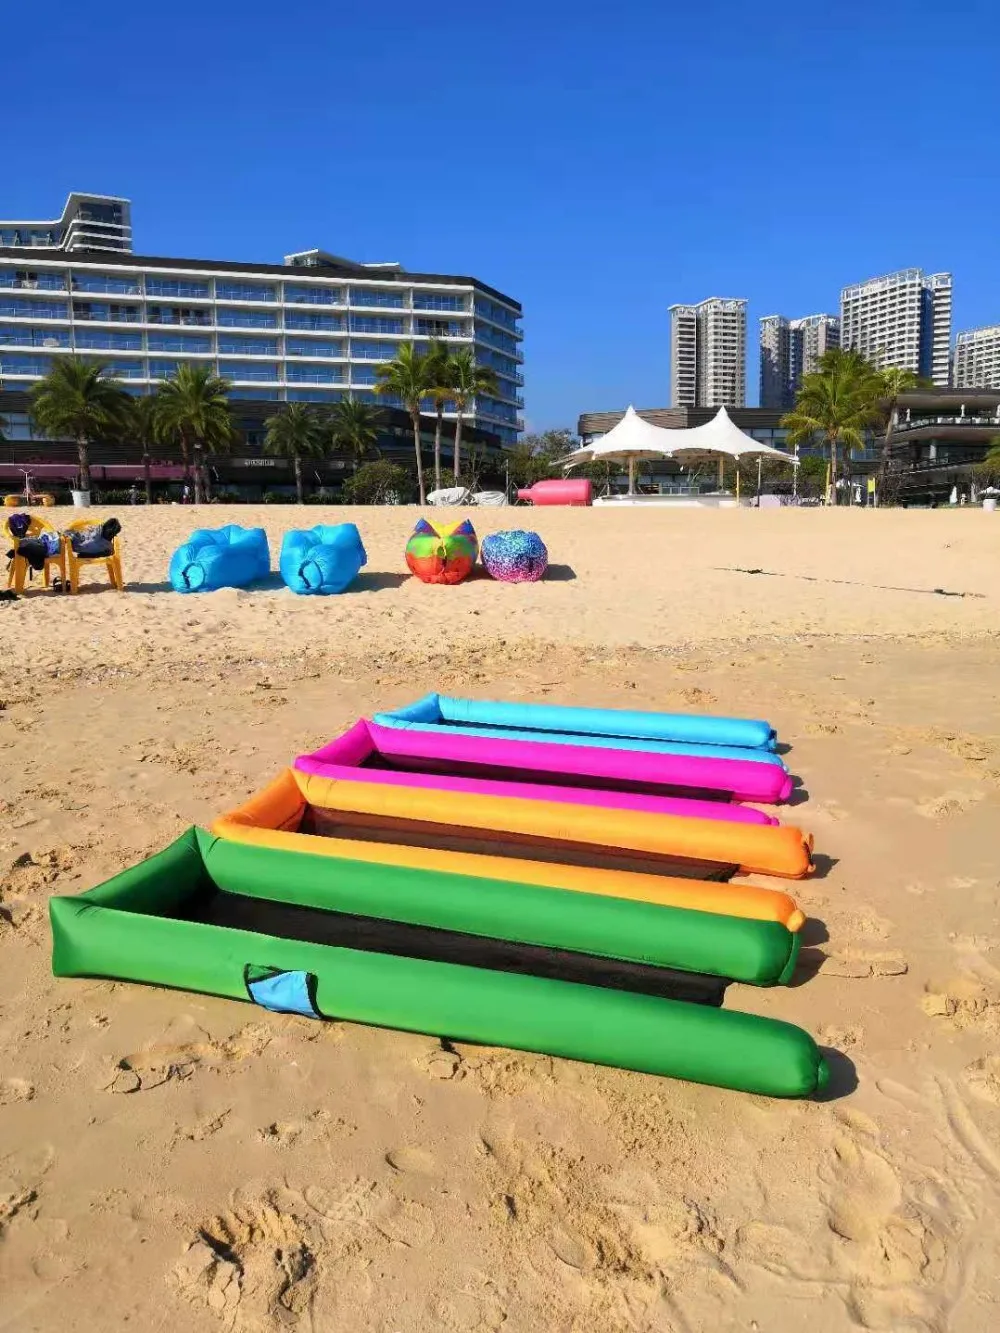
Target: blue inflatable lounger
211	558
612	728
323	559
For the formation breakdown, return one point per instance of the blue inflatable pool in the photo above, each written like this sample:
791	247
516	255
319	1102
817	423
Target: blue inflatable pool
618	729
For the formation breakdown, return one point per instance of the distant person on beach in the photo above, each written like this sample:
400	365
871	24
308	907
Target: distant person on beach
133	494
186	494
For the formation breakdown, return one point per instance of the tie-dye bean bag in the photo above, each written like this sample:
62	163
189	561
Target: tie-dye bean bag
515	557
442	552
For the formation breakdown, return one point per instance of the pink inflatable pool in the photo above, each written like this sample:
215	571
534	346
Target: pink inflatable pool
580	775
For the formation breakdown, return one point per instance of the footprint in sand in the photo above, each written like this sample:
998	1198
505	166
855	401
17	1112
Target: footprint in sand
15	1090
947	805
858	965
965	1001
983	1078
412	1161
892	1256
174	1062
260	1256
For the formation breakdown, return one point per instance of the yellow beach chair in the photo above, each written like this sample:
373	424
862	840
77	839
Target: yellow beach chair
74	562
18	572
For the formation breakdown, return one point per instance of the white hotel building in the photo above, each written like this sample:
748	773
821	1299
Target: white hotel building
311	329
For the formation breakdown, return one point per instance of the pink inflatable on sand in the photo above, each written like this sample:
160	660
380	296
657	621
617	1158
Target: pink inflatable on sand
560	491
488	767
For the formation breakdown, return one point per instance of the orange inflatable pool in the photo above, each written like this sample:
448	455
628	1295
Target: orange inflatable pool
290	814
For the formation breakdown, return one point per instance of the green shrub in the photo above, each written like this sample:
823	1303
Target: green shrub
379	483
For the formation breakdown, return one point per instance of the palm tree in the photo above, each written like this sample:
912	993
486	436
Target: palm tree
296	433
193	407
893	381
354	428
78	398
467	381
143	425
838	400
439	374
407	378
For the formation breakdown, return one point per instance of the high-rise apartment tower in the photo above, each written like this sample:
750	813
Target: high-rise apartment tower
902	319
708	344
789	349
977	358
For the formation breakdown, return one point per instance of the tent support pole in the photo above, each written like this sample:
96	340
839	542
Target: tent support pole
631	476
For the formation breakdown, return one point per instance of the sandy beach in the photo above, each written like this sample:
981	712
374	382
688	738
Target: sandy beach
170	1161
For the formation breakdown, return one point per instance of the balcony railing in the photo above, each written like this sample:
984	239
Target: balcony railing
377	300
44	282
196	291
107	317
926	422
107	286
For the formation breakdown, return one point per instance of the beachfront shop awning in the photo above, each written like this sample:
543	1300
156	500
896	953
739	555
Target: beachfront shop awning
99	471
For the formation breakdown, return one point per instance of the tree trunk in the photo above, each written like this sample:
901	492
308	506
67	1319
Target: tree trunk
147	476
186	459
833	470
83	460
883	462
197	473
458	442
415	419
437	447
297	465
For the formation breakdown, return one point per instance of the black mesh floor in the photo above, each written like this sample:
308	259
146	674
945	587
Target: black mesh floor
374	935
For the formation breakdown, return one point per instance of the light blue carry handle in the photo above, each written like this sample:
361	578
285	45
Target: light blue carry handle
601	742
282	992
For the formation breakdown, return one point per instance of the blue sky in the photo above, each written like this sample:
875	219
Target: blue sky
597	162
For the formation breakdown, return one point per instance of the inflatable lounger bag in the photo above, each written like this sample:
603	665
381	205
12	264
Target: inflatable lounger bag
211	558
442	552
323	559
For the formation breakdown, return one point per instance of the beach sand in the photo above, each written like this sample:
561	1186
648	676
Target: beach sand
172	1161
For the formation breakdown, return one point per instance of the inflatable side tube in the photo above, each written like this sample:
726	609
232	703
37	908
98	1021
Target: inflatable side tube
587	765
694	728
604	742
261	822
342	759
760	953
427	709
784	851
530	791
642	1032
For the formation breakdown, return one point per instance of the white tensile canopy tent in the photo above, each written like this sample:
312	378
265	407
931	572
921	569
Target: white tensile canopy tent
634	438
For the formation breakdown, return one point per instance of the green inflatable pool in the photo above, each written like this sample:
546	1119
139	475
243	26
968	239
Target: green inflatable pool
484	961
